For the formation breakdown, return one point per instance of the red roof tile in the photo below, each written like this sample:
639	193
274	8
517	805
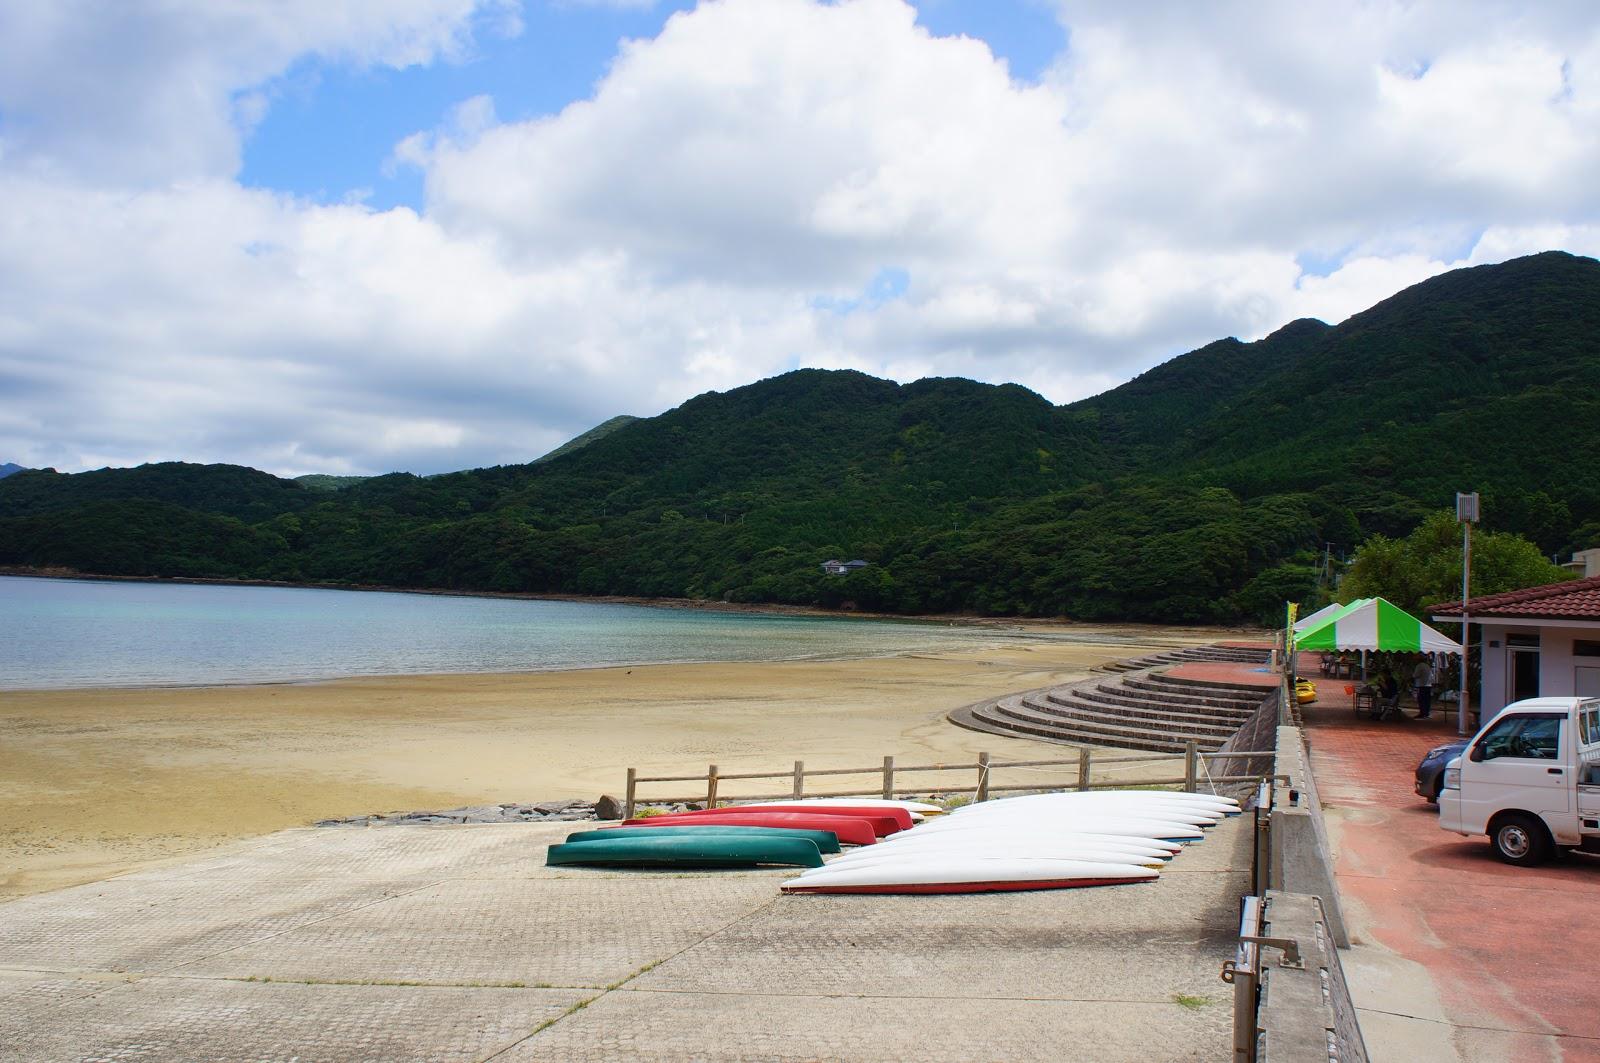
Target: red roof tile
1577	599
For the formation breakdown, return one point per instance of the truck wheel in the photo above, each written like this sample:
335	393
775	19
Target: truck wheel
1521	839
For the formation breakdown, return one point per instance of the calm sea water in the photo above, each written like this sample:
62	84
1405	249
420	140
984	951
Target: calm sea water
79	633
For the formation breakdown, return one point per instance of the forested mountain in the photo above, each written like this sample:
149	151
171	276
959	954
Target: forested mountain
1198	491
1481	378
599	431
228	490
8	468
321	481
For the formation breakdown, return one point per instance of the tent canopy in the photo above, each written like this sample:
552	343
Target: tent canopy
1374	624
1327	612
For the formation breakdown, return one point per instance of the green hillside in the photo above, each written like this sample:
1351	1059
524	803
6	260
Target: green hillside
1198	491
1479	379
320	481
226	490
599	431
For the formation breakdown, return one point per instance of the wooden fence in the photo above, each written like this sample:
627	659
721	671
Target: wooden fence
886	779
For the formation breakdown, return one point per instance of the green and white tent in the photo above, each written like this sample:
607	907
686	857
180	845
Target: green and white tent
1372	624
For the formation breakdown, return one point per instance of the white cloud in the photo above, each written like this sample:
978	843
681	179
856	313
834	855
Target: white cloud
725	205
155	90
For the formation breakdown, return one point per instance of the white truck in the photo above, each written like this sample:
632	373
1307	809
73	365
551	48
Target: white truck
1530	780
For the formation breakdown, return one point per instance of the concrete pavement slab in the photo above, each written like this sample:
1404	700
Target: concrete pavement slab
1071	944
189	1019
561	932
754	1028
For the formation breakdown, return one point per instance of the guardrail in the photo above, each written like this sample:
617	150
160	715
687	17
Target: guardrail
886	777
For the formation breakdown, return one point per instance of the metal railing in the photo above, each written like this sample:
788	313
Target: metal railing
1296	1009
886	778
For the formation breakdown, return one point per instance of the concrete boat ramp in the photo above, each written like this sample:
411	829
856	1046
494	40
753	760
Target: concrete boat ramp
456	943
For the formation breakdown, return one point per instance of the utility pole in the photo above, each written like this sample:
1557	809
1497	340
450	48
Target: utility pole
1467	515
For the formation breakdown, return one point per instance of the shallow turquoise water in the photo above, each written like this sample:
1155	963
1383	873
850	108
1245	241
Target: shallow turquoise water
78	633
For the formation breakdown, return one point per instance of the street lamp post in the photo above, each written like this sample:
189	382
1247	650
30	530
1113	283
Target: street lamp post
1467	515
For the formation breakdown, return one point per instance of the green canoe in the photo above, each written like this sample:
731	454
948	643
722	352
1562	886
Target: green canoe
701	850
827	841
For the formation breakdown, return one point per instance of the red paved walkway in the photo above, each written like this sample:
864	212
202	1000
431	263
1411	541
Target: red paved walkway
1226	672
1512	950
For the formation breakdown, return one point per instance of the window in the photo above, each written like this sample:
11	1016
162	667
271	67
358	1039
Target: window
1522	737
1585	648
1589	726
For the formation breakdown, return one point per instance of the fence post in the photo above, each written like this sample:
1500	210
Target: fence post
888	778
711	786
1083	767
627	802
799	778
983	778
1190	760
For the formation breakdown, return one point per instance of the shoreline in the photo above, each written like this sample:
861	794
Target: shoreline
95	782
701	604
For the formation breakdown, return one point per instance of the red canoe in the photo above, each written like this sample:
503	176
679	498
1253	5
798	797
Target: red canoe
851	830
884	820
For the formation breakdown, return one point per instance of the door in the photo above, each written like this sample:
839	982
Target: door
1586	681
1521	761
1523	675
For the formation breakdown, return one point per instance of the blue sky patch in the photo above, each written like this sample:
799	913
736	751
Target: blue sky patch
886	285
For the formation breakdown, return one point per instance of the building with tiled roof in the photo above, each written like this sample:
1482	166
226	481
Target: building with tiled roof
1536	641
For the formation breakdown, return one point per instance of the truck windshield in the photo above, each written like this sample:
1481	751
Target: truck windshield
1532	737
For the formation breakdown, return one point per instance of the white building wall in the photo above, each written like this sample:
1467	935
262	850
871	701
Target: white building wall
1555	661
1558	668
1561	673
1495	661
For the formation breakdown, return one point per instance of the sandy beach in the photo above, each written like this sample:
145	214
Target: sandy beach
97	782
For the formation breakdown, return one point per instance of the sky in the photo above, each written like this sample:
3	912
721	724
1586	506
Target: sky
360	236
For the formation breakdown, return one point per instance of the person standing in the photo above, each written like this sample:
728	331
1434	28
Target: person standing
1422	679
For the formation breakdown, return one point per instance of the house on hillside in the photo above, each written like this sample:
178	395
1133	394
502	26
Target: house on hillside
1535	642
1584	563
834	567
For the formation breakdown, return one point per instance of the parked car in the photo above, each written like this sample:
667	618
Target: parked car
1530	780
1430	773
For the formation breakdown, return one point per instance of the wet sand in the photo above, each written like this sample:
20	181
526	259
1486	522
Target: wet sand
97	782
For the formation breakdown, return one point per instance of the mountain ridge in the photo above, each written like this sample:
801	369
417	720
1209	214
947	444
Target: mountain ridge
1196	491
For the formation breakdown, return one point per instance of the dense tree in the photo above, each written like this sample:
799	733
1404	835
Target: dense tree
1424	568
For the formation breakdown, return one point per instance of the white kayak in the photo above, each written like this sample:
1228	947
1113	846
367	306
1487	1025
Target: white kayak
1193	802
1174	796
967	840
998	851
1109	823
967	875
1084	809
1151	809
916	808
